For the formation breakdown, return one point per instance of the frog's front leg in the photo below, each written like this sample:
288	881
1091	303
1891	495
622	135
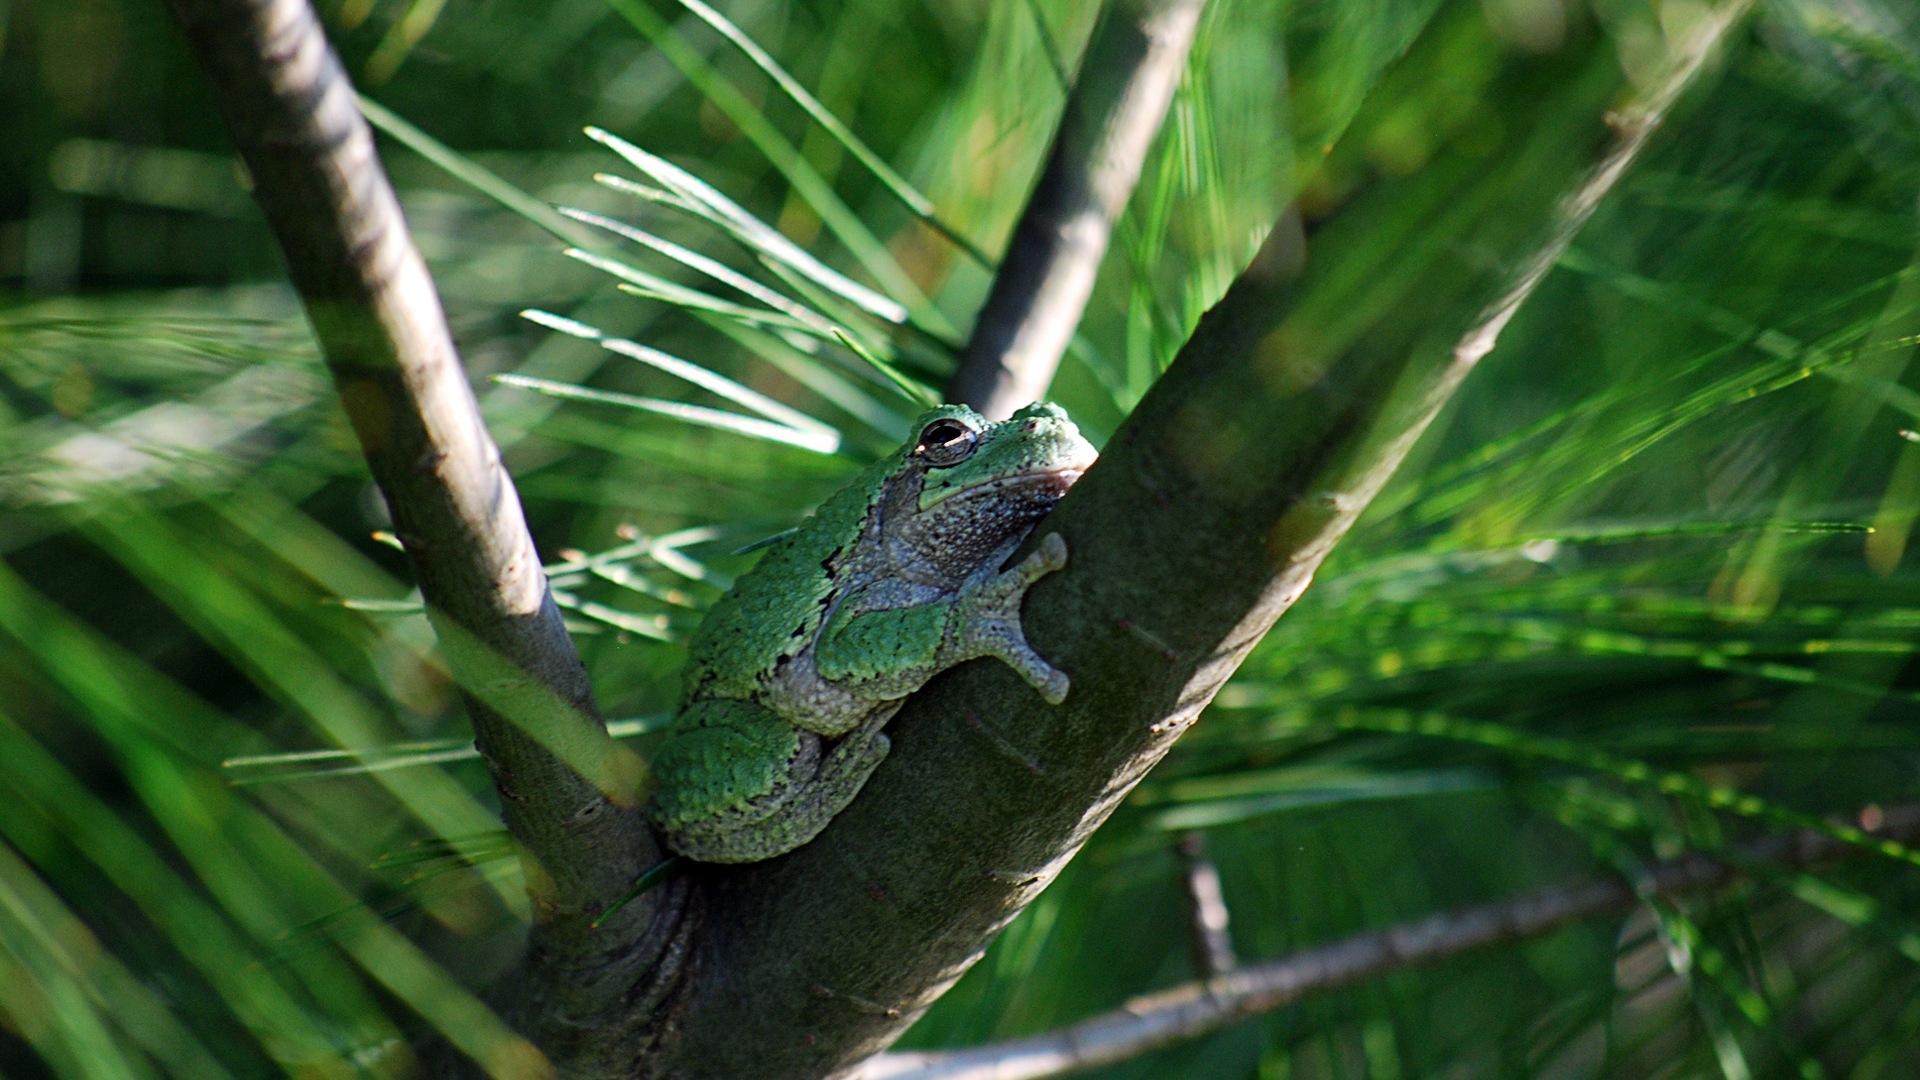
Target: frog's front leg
887	653
985	620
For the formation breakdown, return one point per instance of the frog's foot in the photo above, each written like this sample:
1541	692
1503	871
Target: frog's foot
805	812
991	626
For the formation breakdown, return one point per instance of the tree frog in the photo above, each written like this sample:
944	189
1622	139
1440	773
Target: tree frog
895	578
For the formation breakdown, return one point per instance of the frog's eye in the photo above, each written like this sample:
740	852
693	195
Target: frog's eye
945	442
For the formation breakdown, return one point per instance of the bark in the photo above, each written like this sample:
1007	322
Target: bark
1040	291
567	792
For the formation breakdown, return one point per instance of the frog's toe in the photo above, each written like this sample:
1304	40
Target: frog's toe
1051	555
1042	676
1052	551
1055	686
1009	588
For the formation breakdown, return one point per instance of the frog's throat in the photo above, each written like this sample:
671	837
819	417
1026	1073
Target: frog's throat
1050	483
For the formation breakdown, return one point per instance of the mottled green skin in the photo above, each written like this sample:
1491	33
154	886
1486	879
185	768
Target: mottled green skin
895	578
783	598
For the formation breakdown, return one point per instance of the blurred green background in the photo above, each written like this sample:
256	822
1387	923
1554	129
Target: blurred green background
1622	603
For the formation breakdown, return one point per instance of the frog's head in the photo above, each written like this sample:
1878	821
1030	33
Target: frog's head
983	483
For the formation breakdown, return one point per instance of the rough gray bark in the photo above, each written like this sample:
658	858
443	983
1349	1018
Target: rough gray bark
567	791
1040	291
1186	1012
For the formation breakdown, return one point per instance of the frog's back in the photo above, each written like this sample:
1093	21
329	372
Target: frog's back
777	607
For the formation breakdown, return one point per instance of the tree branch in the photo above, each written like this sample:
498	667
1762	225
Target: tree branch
1197	1008
1207	939
566	789
1126	83
1205	519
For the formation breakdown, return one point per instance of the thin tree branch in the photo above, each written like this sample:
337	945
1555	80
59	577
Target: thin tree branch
1210	509
1207	917
567	791
1126	83
1185	1012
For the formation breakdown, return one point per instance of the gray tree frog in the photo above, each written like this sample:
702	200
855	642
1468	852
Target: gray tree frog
894	579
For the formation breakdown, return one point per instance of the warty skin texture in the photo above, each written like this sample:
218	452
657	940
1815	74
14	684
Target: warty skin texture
896	578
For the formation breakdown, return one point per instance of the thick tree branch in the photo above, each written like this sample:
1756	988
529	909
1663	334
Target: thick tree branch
1185	1012
1205	519
566	789
1126	83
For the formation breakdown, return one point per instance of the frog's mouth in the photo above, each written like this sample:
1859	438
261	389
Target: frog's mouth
1042	486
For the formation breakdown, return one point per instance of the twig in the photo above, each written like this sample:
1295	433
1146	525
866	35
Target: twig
1209	942
1184	1012
1126	83
567	790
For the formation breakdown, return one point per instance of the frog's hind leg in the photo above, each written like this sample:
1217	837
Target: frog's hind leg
814	801
988	620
